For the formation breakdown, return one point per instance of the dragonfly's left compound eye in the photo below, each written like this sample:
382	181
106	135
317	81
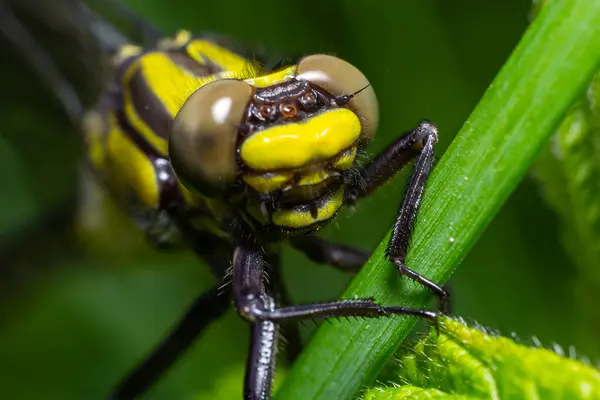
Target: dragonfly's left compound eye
202	145
341	78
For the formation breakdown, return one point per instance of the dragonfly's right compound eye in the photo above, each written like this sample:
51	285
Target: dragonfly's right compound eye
202	145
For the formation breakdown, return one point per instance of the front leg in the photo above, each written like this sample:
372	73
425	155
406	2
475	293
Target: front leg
250	292
417	143
255	303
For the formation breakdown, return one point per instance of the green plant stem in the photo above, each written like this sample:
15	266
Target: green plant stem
547	72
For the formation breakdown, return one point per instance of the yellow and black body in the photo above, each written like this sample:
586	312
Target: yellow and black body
200	144
194	127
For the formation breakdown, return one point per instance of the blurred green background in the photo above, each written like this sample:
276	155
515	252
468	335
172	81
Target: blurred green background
80	307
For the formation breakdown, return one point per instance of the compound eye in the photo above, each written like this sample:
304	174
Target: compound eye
341	78
203	139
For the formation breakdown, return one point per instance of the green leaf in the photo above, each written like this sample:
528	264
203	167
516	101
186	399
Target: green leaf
486	161
464	361
408	392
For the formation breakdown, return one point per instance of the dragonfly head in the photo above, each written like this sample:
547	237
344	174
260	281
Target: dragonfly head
290	138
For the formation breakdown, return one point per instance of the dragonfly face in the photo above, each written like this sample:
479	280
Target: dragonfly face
289	138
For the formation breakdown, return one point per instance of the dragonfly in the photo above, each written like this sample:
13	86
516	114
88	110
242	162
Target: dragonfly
201	143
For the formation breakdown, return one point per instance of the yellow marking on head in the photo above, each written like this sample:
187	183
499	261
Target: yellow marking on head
273	78
297	219
346	160
314	178
294	145
267	183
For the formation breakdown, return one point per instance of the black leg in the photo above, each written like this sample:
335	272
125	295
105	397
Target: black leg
260	365
255	304
416	143
342	257
208	307
251	283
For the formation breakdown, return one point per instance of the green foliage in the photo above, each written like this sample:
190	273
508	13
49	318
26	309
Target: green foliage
408	392
466	363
